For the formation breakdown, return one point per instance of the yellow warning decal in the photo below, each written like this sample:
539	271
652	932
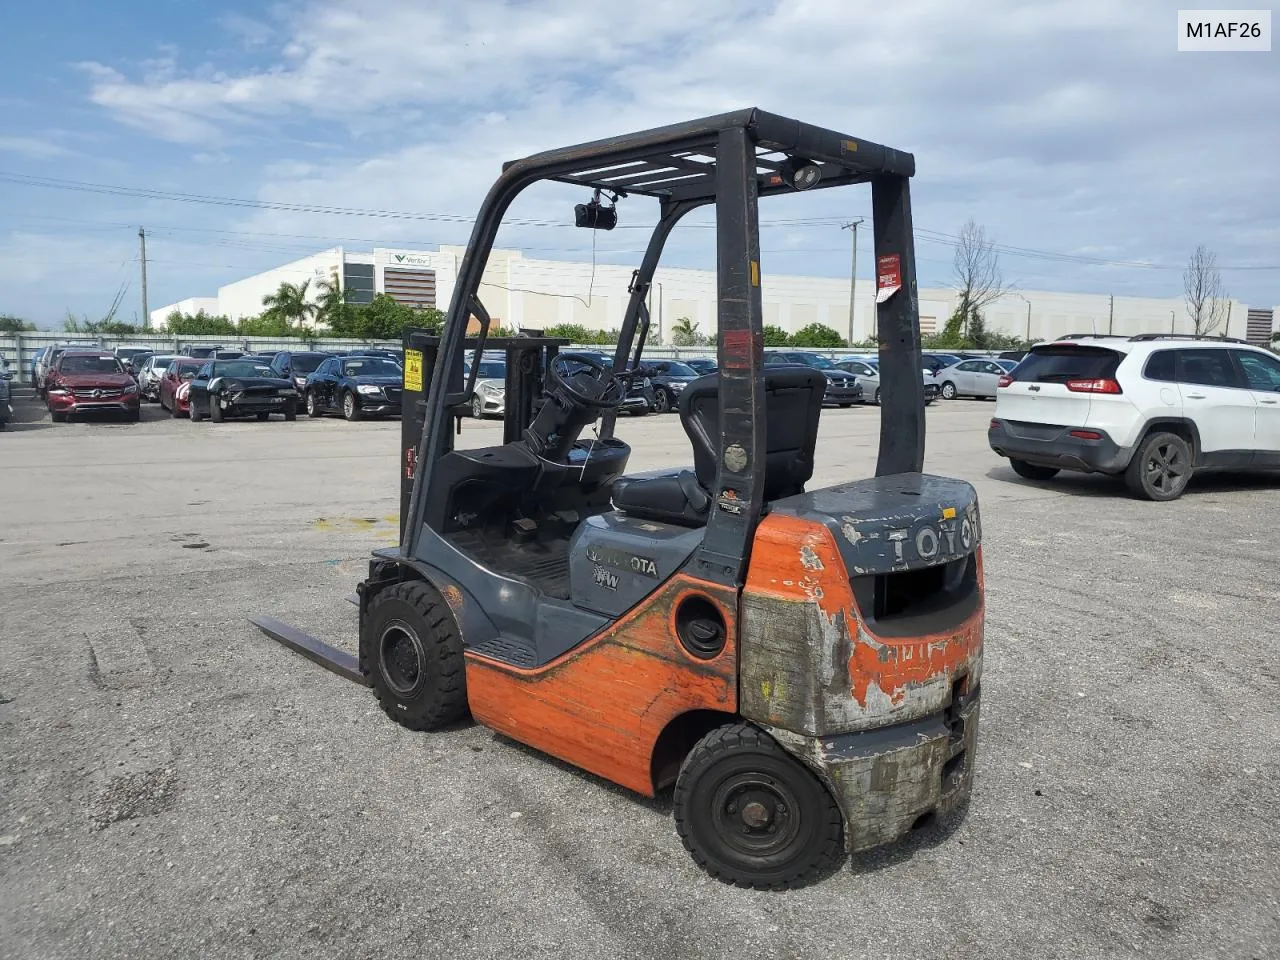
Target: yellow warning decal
413	373
948	513
755	273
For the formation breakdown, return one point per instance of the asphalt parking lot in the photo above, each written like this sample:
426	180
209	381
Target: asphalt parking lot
176	785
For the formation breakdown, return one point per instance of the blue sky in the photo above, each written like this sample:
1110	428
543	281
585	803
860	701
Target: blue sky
1073	131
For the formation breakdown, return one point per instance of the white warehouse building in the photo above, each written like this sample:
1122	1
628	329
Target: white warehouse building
520	292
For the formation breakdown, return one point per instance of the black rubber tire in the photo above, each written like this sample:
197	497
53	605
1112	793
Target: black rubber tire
877	399
477	407
1031	471
174	412
661	401
134	416
215	409
845	406
741	752
1151	473
263	416
351	407
313	404
191	411
948	386
291	410
435	693
58	417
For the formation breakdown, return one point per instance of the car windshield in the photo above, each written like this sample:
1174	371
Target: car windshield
492	370
370	367
81	364
815	360
677	369
242	368
1058	364
160	362
306	362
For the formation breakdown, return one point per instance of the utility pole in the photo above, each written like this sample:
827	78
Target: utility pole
1111	315
142	243
1173	322
853	277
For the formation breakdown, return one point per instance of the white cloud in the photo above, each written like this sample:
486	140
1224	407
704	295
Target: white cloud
1061	125
32	148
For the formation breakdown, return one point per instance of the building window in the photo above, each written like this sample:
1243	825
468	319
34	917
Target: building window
414	288
357	282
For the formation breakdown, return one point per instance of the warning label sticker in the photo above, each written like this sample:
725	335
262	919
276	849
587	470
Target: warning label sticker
413	370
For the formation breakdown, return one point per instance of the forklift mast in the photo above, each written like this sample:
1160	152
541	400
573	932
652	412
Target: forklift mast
729	161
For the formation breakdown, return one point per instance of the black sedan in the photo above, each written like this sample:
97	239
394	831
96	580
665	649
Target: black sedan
241	388
669	378
356	387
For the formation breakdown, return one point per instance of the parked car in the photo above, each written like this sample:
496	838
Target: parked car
149	375
385	353
669	378
970	378
867	370
639	396
938	361
89	381
357	387
181	370
132	358
223	389
843	388
297	365
1154	409
1008	365
1011	355
200	352
703	365
490	397
45	360
6	409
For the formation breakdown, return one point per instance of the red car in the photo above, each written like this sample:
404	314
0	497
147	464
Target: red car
85	381
176	376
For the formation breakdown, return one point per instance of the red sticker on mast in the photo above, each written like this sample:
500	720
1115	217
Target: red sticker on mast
888	276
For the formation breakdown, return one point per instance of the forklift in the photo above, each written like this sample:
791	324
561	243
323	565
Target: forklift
801	665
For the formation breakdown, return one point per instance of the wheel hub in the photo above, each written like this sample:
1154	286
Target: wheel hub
402	658
755	814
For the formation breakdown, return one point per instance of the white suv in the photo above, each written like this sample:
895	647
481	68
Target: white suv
1153	408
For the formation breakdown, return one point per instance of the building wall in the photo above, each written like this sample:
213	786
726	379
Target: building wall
520	292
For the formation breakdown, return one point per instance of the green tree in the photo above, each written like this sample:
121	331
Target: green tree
775	336
817	335
684	333
12	324
979	339
199	324
332	308
290	302
266	324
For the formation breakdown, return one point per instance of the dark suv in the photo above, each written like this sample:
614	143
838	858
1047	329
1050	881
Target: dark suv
843	388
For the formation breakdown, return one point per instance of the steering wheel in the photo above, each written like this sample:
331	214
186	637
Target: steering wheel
611	388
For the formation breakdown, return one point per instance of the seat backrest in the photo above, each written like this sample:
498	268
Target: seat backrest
792	408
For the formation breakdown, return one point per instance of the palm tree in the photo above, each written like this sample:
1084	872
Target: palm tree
331	304
290	303
684	332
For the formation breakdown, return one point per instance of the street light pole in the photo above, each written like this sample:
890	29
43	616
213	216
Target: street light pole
1028	303
853	273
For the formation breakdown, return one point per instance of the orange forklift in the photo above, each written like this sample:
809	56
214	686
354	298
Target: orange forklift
802	665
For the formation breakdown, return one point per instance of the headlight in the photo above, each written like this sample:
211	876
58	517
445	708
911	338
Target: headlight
58	390
647	383
677	386
300	382
491	390
131	388
368	388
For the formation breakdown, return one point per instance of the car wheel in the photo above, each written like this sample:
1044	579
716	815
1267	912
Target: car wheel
477	408
191	411
411	651
753	816
1031	471
350	407
134	416
845	406
1161	468
291	410
215	409
263	417
58	417
661	401
313	404
948	391
877	397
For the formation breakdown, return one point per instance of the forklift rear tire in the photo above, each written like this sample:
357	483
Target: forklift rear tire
752	815
411	651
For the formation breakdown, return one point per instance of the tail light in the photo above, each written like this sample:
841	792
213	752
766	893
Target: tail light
995	425
1100	385
1086	434
1004	381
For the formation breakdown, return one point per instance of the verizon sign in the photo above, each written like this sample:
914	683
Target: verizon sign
404	258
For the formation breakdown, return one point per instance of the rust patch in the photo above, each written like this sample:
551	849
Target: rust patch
452	596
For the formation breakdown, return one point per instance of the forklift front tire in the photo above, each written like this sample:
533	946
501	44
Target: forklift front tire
751	815
411	651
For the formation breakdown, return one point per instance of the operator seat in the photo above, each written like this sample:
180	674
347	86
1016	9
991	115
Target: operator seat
792	406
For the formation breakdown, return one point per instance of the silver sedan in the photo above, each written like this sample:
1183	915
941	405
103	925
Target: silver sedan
868	374
970	378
